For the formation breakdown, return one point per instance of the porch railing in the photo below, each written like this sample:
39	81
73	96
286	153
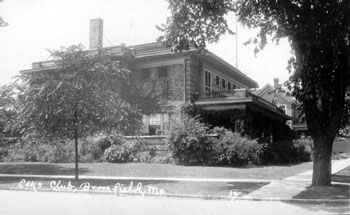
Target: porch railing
239	93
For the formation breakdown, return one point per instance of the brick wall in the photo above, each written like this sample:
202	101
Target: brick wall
169	91
159	144
192	68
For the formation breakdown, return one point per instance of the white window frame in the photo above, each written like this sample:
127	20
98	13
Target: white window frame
285	108
208	86
213	75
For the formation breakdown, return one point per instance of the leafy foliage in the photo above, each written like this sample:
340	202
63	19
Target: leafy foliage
195	22
190	143
304	149
122	151
8	110
287	151
3	23
54	151
233	149
82	95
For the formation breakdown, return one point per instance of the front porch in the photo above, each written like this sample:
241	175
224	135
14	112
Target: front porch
242	111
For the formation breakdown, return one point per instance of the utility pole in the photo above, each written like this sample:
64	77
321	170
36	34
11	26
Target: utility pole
236	41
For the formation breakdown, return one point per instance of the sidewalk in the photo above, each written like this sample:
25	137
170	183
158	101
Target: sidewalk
290	188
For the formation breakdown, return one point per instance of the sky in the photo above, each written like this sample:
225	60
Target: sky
36	26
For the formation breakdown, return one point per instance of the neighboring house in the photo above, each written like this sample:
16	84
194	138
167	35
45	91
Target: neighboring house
167	81
285	102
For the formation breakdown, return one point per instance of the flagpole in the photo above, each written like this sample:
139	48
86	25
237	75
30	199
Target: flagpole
236	42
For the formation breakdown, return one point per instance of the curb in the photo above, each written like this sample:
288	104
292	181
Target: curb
203	197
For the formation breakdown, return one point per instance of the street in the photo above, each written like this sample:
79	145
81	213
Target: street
30	202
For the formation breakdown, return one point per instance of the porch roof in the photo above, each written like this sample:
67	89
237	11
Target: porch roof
240	99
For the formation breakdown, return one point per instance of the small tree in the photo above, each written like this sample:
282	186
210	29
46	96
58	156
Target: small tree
81	96
8	110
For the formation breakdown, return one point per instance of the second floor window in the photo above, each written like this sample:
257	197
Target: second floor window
145	74
217	80
229	85
207	82
223	83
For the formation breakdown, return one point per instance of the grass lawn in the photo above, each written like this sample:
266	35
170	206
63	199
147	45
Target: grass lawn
155	170
201	188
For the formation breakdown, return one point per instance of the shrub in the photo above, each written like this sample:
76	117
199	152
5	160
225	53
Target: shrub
233	149
304	149
121	151
89	151
144	156
54	151
3	153
278	152
299	150
190	143
42	151
340	155
104	142
165	158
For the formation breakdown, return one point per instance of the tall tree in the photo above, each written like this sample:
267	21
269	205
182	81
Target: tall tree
2	21
319	34
82	95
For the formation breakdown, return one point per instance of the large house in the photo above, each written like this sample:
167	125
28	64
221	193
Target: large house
219	92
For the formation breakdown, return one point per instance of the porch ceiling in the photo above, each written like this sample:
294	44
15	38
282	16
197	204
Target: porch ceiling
254	104
300	127
223	104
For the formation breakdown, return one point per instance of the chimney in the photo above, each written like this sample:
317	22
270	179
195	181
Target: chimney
96	33
275	83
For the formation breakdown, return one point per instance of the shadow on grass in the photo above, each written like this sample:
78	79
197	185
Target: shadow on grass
244	187
341	178
39	169
334	192
329	192
248	166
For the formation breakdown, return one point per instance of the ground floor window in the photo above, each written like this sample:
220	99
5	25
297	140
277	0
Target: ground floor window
155	124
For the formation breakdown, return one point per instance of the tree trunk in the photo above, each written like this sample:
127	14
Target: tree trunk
322	166
76	154
76	146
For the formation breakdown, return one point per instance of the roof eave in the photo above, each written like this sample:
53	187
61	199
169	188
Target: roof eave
250	81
